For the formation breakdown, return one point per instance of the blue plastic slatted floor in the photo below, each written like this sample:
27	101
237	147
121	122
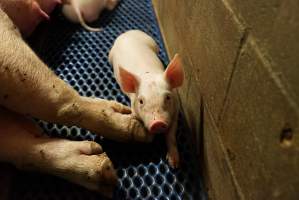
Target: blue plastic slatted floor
80	58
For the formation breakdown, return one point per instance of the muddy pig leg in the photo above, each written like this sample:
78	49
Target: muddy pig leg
29	87
81	162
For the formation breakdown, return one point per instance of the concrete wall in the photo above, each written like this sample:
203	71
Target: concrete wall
241	91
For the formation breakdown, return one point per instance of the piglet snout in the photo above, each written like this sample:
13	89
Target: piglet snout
158	126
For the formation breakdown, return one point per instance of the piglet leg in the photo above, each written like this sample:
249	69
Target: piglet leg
172	156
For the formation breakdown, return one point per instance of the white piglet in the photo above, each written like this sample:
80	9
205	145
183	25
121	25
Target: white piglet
141	76
79	11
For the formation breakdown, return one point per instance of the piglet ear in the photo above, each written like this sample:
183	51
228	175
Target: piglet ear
128	81
174	72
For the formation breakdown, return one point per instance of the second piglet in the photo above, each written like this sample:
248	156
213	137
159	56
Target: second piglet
141	75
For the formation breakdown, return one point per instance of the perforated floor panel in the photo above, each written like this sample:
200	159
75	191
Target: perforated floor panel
80	58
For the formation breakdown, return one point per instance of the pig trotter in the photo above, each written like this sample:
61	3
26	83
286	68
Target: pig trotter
80	162
173	158
93	170
111	120
135	127
111	4
120	108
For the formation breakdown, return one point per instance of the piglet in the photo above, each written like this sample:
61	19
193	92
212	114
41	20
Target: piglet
79	11
141	76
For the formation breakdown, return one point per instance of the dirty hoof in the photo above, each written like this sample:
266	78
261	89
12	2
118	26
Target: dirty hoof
173	159
106	171
80	162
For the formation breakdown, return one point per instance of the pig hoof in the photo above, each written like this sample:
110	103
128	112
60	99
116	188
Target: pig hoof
81	162
107	171
139	133
120	108
173	159
111	4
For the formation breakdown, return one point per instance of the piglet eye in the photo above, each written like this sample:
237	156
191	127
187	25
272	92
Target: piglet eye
141	101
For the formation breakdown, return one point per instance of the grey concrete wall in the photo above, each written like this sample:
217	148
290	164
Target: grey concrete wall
242	84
